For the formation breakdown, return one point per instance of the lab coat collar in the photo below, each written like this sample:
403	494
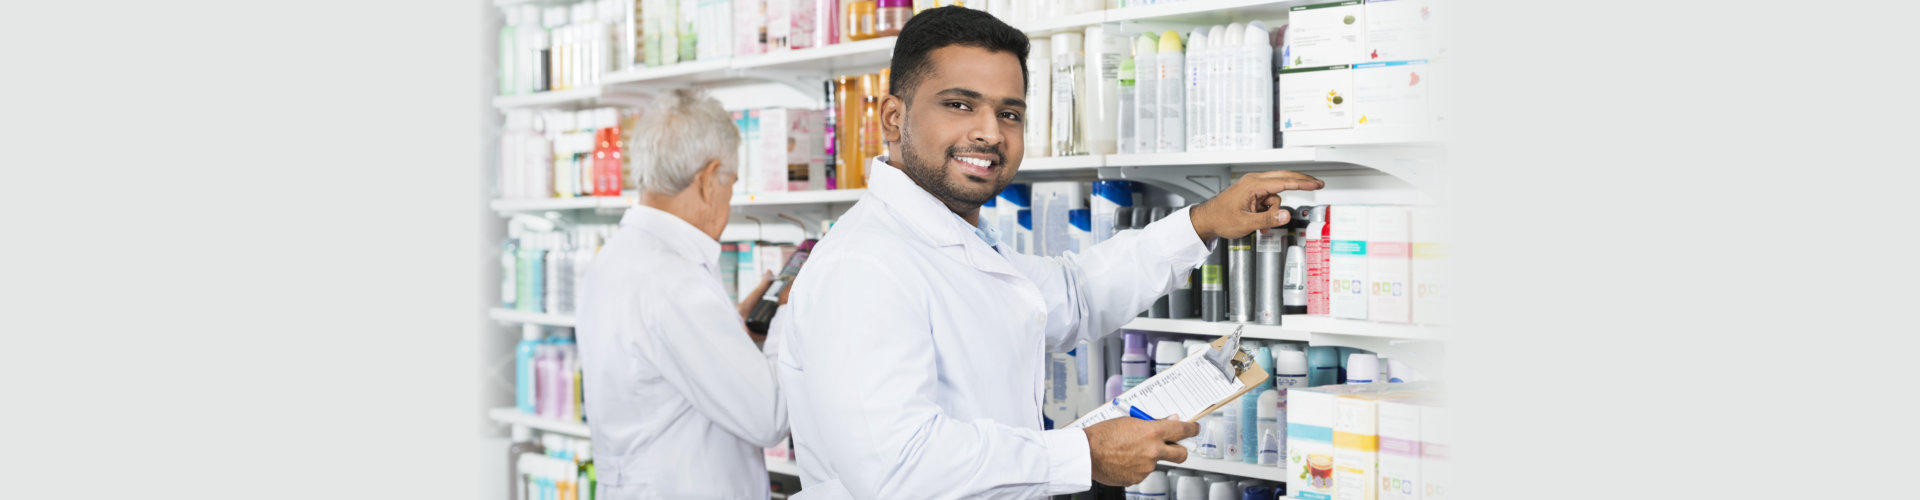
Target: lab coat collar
675	233
930	218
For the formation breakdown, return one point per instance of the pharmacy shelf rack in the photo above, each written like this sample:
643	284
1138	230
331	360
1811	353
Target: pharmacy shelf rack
508	207
1240	469
872	54
1217	329
515	417
505	315
783	467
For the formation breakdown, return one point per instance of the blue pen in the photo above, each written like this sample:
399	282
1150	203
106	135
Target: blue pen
1136	413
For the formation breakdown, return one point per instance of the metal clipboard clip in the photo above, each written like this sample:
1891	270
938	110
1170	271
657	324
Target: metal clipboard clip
1226	357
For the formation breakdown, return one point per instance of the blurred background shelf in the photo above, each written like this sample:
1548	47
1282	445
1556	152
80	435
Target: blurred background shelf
513	416
505	315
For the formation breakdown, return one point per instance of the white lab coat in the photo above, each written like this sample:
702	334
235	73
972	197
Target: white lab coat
913	367
679	401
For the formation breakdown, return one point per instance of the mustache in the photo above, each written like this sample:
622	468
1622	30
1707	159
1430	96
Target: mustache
978	150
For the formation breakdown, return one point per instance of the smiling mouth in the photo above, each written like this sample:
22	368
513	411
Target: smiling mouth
980	168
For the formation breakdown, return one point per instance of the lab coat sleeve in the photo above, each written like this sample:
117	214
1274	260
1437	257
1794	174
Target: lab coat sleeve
872	377
702	349
1093	293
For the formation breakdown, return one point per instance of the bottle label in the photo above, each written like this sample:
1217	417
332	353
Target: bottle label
1210	278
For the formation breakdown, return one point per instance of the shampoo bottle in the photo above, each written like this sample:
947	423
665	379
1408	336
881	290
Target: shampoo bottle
1269	248
1146	54
1218	81
1257	79
1125	121
1213	286
1134	364
1233	110
1069	85
1240	278
1196	88
1040	113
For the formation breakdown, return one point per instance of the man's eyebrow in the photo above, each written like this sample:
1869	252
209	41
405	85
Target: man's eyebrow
961	92
1014	102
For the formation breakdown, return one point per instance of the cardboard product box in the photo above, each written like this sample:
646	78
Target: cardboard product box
1325	34
1435	437
1401	30
1347	264
1388	291
1399	450
1428	269
779	16
1393	94
749	27
1310	450
1316	98
1051	202
789	151
1356	446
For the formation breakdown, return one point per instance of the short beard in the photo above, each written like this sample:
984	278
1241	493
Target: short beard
932	176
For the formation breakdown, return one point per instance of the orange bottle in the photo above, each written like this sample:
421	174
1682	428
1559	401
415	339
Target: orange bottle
861	15
870	143
847	97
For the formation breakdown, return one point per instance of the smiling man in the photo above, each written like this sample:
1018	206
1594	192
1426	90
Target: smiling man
914	364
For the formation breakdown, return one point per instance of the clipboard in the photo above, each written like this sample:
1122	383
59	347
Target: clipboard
1250	375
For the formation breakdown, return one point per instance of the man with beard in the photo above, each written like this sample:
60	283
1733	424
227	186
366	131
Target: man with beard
914	364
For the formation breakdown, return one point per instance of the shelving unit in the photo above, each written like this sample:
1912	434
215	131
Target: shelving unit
504	315
515	417
1292	327
783	467
1241	469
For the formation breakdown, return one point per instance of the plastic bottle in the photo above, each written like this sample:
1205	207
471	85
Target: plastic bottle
1267	414
1171	61
891	16
537	49
1197	88
1240	279
1125	139
1134	363
1317	246
1168	353
1155	486
1293	293
1012	200
870	137
1249	407
523	367
1069	87
1362	368
1146	129
1234	109
861	16
1191	487
1217	85
1101	101
1257	79
509	46
1223	490
509	286
1269	248
559	274
1116	384
1039	121
1213	289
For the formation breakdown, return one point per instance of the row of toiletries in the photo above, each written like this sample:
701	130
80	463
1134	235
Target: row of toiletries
564	154
744	263
547	375
563	471
538	268
1187	484
560	47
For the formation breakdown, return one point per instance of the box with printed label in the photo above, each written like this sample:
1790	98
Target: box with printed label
1356	446
1325	34
1347	263
1310	451
1387	265
1435	471
1393	94
1400	30
1399	450
790	155
1429	266
1316	98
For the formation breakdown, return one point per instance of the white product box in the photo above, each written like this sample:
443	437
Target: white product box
1356	446
1347	262
1393	94
1399	450
1435	469
1325	34
779	15
1401	30
1316	98
1051	201
749	27
1310	452
790	154
1388	290
1428	269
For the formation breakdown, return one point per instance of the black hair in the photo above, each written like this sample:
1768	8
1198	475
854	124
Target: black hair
951	25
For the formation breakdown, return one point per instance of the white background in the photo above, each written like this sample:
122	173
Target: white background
243	246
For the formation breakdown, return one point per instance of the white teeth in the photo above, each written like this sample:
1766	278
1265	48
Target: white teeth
974	161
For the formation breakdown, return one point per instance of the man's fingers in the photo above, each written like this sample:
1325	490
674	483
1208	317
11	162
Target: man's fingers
1175	430
1173	453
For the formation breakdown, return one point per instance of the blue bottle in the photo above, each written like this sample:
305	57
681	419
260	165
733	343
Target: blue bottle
1323	365
523	368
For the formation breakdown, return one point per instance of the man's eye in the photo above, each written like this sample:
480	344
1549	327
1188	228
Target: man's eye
1010	116
959	105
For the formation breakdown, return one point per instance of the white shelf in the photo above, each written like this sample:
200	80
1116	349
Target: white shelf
1062	163
874	53
1280	156
799	197
1187	12
513	416
1216	329
547	99
545	204
783	466
1325	325
1239	469
512	316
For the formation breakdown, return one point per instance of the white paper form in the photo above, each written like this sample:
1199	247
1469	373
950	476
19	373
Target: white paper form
1187	389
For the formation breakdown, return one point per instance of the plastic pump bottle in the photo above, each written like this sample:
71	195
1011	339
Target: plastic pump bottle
1196	88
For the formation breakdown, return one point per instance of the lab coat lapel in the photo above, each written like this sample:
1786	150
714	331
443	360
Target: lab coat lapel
933	221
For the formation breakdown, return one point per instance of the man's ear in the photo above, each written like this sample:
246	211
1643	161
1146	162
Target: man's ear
893	115
708	180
